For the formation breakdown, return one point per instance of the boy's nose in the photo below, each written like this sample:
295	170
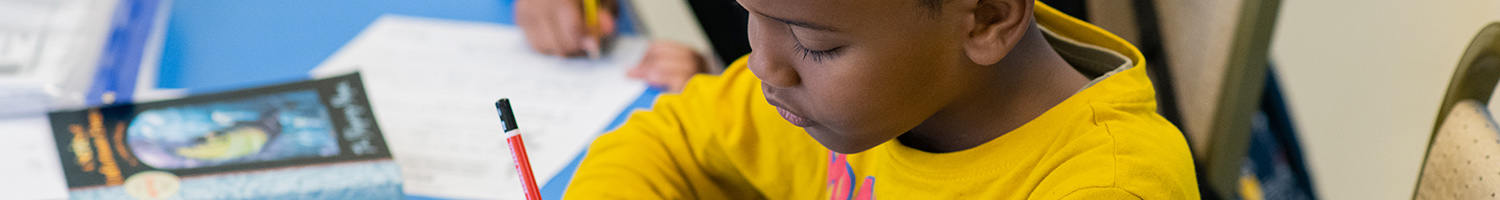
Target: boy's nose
773	71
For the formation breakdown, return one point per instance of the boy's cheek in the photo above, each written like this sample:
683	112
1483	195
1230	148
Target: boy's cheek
848	111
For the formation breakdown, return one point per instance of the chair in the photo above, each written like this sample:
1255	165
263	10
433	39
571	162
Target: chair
1208	60
1463	153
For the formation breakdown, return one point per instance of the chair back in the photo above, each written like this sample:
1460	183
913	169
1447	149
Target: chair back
1208	60
1463	153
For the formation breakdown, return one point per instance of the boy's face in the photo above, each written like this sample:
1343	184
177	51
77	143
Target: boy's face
857	73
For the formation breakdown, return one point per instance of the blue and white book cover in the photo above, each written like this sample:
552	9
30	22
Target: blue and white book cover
306	140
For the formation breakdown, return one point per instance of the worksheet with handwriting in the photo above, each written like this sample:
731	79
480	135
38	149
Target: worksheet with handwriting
432	84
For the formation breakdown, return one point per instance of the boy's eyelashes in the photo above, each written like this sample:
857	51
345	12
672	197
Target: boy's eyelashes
816	55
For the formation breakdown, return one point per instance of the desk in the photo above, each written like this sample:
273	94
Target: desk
224	45
218	45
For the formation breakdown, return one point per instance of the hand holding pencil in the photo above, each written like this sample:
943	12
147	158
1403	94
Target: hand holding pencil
566	27
571	28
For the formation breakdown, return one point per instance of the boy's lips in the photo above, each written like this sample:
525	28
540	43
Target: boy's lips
793	118
788	115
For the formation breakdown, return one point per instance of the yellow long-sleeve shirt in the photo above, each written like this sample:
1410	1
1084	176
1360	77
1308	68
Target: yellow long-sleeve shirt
719	139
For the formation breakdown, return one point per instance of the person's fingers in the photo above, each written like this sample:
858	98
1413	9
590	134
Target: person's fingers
658	77
651	73
526	18
635	73
591	43
648	62
540	23
678	85
639	71
667	65
535	37
570	32
552	44
607	22
591	47
667	77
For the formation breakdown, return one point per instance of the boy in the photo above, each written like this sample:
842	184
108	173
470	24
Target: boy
903	99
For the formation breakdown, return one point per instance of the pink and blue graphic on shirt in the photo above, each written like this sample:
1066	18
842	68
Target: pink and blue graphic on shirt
841	180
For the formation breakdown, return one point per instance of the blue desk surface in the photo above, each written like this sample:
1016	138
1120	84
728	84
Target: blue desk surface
225	45
214	45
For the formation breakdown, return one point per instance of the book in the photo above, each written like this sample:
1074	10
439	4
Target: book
310	139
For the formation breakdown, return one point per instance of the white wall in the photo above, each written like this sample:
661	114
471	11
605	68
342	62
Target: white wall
1364	80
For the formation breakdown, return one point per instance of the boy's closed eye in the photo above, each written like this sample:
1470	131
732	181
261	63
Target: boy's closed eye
811	41
815	53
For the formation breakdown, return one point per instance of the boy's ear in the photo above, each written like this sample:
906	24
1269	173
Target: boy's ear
996	27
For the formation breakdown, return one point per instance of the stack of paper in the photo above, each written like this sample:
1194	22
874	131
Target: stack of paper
433	84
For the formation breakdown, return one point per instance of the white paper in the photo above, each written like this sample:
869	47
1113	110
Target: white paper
433	83
48	54
53	46
28	156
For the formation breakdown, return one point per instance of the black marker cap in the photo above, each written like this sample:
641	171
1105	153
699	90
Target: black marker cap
506	116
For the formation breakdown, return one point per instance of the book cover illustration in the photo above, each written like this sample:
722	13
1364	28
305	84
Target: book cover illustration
310	139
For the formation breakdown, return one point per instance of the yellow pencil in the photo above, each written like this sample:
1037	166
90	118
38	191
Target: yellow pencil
591	22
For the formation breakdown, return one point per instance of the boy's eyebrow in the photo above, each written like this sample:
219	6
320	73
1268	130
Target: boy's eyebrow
803	24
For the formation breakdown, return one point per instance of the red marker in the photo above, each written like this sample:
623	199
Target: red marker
518	150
